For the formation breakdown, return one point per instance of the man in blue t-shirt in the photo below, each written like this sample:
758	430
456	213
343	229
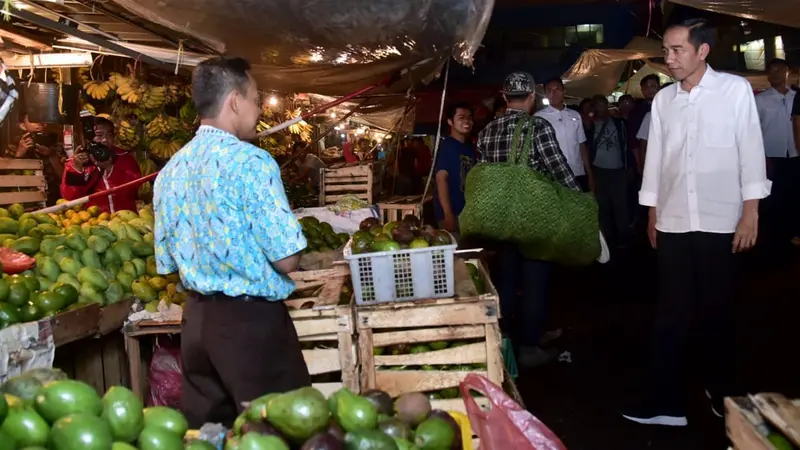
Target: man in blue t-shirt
453	161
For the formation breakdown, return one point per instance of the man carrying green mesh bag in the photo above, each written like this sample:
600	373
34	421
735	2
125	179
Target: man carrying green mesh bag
524	195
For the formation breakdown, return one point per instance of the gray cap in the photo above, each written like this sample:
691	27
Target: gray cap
519	83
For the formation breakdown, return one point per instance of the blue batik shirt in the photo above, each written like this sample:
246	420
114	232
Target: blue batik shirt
222	217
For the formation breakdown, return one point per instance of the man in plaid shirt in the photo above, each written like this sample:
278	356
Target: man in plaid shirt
527	314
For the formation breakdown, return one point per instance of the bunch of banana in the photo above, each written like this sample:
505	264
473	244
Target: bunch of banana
154	97
115	80
83	73
129	90
187	112
98	90
165	148
173	93
89	108
159	126
127	135
145	115
187	91
146	165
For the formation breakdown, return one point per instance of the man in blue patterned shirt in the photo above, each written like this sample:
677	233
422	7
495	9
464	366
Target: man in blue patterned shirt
223	222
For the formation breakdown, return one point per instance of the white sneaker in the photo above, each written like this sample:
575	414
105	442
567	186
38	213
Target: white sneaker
605	253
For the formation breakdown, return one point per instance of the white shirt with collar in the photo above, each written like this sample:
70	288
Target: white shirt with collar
644	129
569	133
705	155
775	113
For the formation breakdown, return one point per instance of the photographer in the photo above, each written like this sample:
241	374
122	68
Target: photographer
36	144
98	168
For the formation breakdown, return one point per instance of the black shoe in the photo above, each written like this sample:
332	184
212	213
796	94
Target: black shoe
717	405
652	416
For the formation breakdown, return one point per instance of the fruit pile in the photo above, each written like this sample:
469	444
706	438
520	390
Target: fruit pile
320	235
70	415
405	234
82	257
305	419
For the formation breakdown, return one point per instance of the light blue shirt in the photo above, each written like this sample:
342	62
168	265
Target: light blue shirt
775	116
222	217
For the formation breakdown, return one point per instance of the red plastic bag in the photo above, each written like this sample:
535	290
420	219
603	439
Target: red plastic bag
505	425
15	262
165	376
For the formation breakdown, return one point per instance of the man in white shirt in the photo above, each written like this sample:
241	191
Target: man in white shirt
703	178
569	133
779	213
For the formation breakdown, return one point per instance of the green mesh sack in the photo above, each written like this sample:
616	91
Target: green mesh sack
512	202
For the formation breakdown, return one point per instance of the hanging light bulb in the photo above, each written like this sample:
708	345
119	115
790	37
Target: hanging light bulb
273	101
333	115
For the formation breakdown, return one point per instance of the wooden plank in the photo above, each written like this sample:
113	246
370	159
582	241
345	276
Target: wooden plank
320	326
20	164
9	198
334	180
348	361
396	383
360	170
323	274
368	376
465	354
494	357
322	360
89	364
112	317
741	432
76	324
411	336
134	331
22	181
429	316
346	187
115	362
137	367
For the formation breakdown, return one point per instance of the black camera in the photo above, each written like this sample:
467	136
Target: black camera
99	152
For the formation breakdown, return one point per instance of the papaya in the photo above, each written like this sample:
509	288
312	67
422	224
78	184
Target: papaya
25	226
143	226
48	268
4	212
142	249
103	232
110	257
150	266
76	242
16	210
158	283
90	259
94	277
46	229
125	215
140	265
131	233
49	246
114	293
70	265
27	245
69	279
98	244
5	236
119	230
61	252
123	249
43	218
144	291
88	293
149	238
125	279
24	216
8	226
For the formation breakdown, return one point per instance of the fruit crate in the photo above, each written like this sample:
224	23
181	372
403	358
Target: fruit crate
432	345
396	208
749	428
22	181
355	181
325	326
402	275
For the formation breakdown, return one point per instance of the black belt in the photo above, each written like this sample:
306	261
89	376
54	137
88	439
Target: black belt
218	296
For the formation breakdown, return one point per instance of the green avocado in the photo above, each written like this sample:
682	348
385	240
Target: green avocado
64	397
434	434
80	431
354	412
122	410
299	414
369	440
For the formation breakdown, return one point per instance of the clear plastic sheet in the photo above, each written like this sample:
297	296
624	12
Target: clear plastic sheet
782	12
328	46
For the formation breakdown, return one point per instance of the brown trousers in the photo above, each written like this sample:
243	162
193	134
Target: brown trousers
234	351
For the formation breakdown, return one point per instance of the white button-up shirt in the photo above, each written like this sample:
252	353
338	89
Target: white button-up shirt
705	155
644	129
569	133
775	113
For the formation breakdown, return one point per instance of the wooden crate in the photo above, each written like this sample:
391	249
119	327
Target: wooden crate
28	190
357	181
473	319
324	327
743	422
396	208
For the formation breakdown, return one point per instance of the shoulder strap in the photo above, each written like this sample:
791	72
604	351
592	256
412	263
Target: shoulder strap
515	151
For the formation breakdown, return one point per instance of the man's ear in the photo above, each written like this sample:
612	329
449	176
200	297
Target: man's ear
703	51
232	101
450	122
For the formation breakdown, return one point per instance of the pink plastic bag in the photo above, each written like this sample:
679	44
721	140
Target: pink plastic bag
15	262
506	425
165	375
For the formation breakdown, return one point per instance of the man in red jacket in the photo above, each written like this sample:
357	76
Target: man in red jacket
102	167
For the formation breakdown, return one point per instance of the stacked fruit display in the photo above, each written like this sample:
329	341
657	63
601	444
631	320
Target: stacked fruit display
82	257
305	419
320	235
61	414
405	234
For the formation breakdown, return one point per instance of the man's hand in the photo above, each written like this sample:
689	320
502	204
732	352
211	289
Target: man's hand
450	223
44	151
591	184
24	144
79	160
746	231
651	227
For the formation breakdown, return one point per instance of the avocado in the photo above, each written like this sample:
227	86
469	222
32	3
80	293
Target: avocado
434	434
381	400
122	410
257	409
25	427
419	348
419	242
369	440
354	412
402	234
299	414
81	431
365	225
413	408
444	415
65	397
323	441
438	345
389	227
403	444
255	441
165	418
384	245
395	428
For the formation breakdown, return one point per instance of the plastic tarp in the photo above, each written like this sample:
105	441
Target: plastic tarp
782	12
330	47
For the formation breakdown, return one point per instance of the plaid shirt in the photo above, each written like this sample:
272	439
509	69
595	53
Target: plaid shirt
495	141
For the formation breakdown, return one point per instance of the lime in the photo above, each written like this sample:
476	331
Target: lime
49	302
9	314
18	294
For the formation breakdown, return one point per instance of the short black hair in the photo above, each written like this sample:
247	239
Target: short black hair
777	62
453	109
625	97
553	80
584	102
103	122
499	103
699	31
517	97
600	99
651	77
213	79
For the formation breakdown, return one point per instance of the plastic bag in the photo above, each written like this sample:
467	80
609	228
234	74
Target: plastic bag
165	376
506	425
15	262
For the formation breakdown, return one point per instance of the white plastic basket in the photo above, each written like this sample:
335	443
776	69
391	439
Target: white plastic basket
401	275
